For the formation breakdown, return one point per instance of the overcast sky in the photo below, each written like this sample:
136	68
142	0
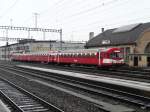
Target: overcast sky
76	17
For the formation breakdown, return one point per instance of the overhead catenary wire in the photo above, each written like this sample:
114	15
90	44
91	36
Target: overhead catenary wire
56	4
68	18
111	25
103	11
90	9
114	18
8	9
96	22
80	3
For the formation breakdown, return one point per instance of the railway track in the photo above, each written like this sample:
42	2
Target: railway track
122	72
119	72
131	74
100	89
22	101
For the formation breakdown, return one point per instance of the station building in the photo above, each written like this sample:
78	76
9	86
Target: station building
133	39
31	46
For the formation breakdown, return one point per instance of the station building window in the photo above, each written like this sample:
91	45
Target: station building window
131	58
140	58
122	51
127	50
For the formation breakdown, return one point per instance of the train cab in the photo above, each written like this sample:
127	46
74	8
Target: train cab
112	56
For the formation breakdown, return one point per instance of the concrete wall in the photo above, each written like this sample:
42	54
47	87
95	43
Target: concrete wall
141	63
143	41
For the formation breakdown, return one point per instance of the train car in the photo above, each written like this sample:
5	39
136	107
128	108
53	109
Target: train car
96	57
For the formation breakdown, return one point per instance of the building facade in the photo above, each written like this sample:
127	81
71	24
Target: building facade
133	39
27	46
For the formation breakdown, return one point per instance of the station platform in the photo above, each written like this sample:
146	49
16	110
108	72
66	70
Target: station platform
115	81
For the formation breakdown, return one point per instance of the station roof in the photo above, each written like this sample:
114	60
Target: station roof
125	35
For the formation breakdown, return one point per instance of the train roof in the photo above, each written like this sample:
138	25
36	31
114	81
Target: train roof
79	50
69	51
89	50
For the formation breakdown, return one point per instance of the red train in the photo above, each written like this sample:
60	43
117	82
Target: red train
98	57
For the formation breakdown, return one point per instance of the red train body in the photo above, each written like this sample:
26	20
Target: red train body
98	57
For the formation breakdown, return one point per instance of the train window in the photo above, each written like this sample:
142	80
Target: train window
93	55
70	55
82	54
88	55
66	55
79	55
76	55
114	55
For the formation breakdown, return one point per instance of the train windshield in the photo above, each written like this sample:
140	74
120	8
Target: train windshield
116	55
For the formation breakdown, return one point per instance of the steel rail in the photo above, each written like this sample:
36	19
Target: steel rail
91	88
22	100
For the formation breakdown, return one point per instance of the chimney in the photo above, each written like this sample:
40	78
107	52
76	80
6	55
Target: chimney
102	30
91	35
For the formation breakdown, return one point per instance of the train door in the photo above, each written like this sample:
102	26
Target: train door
135	61
99	58
148	61
55	57
58	56
48	58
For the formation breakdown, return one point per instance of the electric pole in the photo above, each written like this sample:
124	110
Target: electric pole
36	15
60	39
11	21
